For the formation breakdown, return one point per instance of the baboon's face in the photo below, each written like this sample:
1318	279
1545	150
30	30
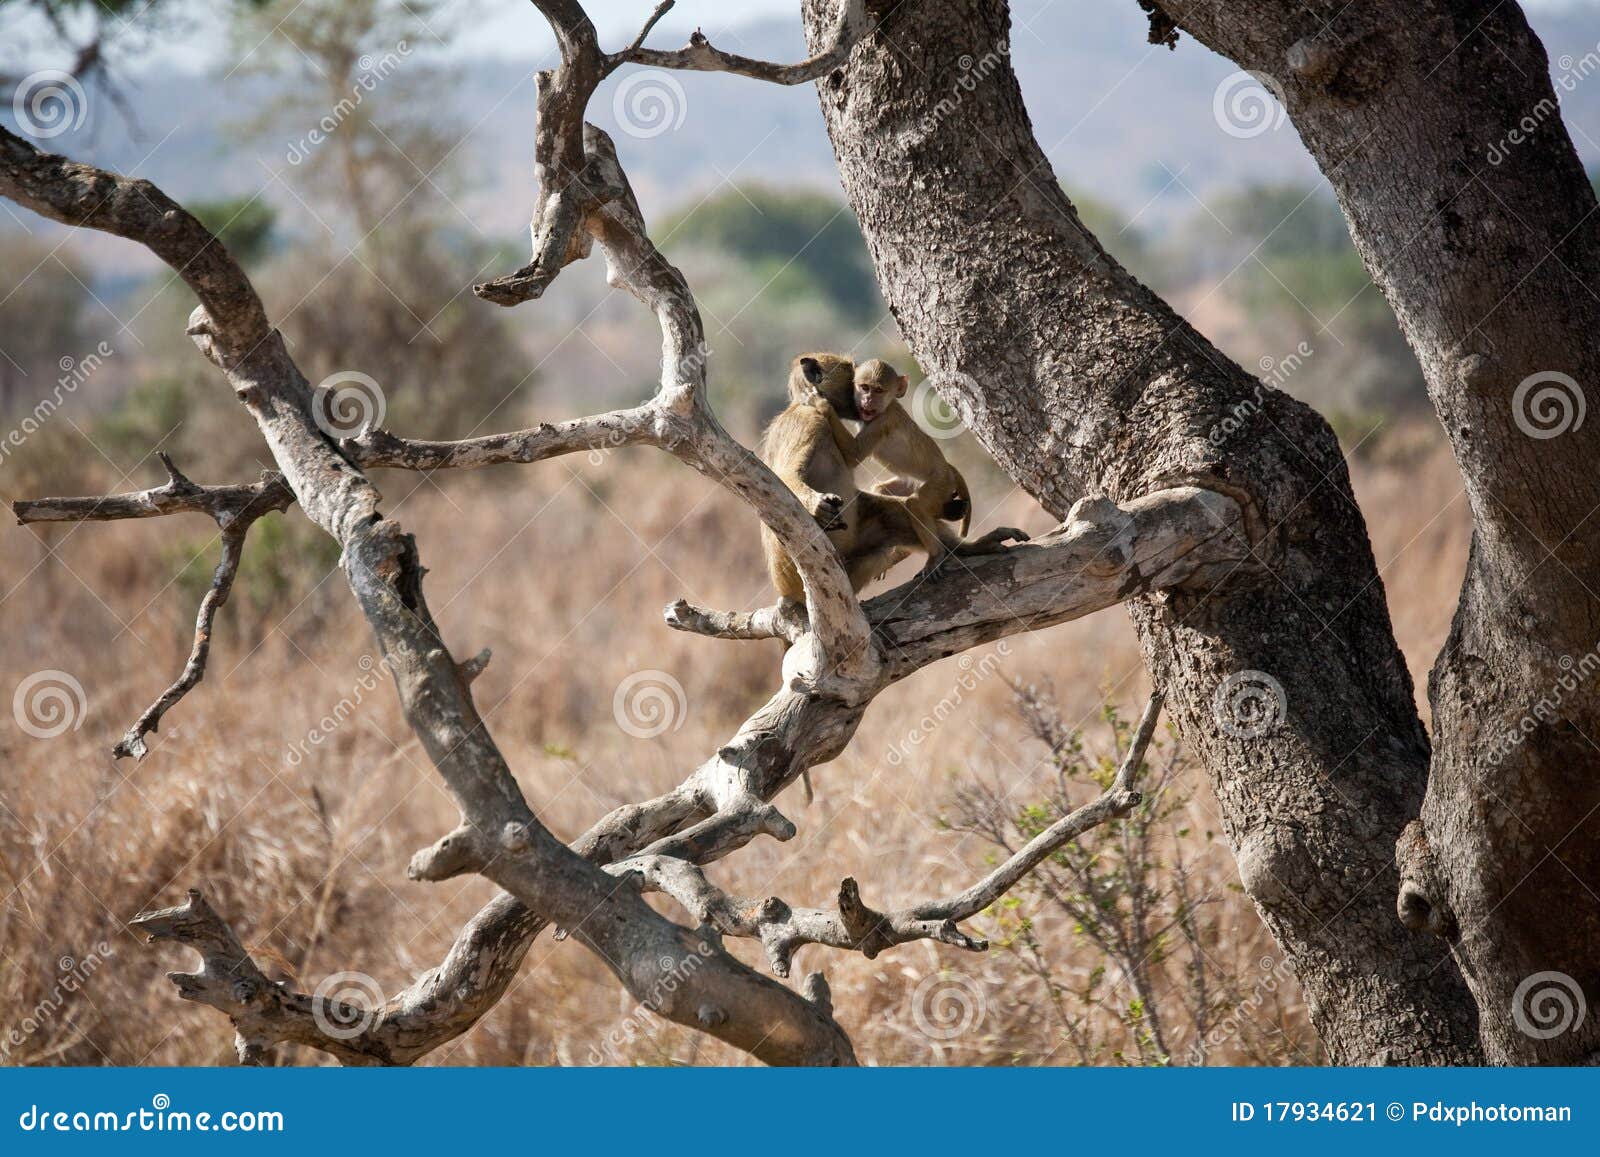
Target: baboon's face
877	387
830	375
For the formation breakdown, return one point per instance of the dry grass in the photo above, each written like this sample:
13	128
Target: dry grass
562	568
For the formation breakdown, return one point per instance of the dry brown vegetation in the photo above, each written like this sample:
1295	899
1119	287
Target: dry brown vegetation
303	844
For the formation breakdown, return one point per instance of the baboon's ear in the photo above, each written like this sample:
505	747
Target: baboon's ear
812	370
901	384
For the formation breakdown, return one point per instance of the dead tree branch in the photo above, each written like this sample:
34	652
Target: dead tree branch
700	55
854	926
233	508
842	654
720	995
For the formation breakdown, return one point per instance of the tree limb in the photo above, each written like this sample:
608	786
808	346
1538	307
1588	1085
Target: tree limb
233	508
854	926
722	996
700	55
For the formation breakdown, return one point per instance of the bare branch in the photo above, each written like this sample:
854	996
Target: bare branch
222	504
262	1013
655	18
630	427
856	927
700	55
1104	554
83	195
722	995
233	508
195	669
782	620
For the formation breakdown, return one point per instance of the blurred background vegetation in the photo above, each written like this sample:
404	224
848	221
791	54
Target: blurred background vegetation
1135	947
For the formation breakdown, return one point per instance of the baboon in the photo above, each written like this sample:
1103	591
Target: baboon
893	438
812	451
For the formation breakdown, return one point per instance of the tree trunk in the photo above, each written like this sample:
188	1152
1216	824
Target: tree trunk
1285	679
1438	127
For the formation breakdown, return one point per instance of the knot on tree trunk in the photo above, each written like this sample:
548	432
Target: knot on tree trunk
1420	903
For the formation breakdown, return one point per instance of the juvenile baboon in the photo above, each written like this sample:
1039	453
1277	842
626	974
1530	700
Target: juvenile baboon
811	450
894	439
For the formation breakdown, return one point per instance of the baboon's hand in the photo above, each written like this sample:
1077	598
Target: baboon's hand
829	512
994	541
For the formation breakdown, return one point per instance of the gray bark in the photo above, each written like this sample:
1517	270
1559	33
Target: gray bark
1437	125
1090	384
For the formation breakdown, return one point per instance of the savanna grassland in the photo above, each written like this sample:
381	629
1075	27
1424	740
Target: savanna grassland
289	789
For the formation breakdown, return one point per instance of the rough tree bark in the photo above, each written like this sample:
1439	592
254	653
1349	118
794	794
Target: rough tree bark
1437	126
1091	384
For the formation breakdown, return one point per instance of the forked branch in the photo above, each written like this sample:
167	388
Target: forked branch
722	996
233	508
700	55
853	925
